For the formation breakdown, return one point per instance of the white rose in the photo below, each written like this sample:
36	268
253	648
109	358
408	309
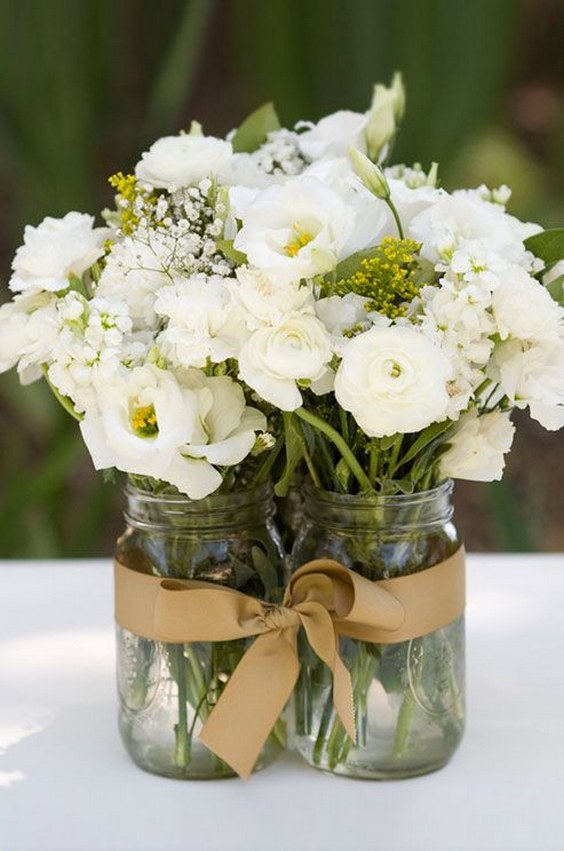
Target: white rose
176	161
477	449
393	380
264	303
55	249
197	310
333	135
273	359
523	308
293	231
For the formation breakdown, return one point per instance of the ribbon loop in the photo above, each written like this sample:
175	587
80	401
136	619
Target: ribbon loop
323	596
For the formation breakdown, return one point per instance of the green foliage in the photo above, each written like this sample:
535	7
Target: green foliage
548	245
255	129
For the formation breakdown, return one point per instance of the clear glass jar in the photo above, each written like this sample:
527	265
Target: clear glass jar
166	691
409	696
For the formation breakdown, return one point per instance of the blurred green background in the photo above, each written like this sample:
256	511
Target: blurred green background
86	86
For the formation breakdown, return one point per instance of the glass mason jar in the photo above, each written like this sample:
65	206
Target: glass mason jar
409	696
166	691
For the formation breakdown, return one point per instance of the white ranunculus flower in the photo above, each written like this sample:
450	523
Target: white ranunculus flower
197	310
176	161
293	231
333	135
523	308
55	249
477	449
393	380
263	303
273	359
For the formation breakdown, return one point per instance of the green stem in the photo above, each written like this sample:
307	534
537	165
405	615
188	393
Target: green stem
182	752
339	442
373	464
393	460
395	214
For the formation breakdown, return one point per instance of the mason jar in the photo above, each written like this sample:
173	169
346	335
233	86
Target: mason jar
409	696
167	691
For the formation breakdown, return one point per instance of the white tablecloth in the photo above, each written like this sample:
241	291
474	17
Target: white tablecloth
67	785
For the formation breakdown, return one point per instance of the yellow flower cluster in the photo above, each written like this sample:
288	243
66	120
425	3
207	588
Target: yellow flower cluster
386	277
128	192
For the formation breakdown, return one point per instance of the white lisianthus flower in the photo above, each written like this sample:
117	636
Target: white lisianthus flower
197	310
477	449
293	231
532	373
340	314
176	161
149	424
523	308
393	380
261	302
274	359
333	135
229	424
372	217
54	250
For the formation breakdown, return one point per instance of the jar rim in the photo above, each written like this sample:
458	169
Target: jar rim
405	500
214	502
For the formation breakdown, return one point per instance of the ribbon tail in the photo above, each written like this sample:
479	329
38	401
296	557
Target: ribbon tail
321	634
252	700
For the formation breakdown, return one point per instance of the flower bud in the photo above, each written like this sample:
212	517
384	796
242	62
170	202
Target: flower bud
386	111
371	175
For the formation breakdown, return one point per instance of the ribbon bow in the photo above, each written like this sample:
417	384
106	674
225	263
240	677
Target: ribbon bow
324	597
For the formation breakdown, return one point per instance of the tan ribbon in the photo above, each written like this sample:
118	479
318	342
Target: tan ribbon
324	597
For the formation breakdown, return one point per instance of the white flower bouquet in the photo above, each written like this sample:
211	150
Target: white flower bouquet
287	288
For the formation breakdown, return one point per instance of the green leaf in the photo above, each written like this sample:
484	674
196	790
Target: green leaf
294	454
548	245
430	433
387	442
254	129
343	473
225	246
556	289
425	272
350	265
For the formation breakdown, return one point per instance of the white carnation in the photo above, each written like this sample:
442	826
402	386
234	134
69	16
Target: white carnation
293	231
393	380
56	249
523	308
28	332
176	161
477	449
262	303
274	359
197	310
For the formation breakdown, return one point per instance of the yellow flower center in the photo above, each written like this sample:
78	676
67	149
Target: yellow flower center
301	238
144	421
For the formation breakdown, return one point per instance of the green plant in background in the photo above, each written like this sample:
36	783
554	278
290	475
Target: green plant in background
121	75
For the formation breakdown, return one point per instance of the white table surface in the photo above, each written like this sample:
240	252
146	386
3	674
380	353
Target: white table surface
67	785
